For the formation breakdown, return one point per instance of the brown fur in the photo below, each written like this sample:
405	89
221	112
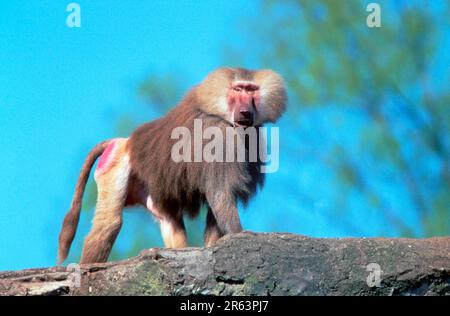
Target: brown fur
183	187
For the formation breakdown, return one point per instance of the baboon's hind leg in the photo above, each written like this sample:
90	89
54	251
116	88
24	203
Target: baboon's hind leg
112	186
172	226
173	232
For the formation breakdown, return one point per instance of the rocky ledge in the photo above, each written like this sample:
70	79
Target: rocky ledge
256	264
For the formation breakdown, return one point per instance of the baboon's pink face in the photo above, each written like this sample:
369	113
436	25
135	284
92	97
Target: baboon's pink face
243	101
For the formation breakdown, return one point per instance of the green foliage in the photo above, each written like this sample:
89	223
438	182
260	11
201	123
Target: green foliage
330	57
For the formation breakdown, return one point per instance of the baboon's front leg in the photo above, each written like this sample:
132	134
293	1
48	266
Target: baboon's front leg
212	230
223	207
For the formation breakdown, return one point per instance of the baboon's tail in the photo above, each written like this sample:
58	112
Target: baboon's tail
73	215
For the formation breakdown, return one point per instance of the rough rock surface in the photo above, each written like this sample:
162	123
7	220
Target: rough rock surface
257	264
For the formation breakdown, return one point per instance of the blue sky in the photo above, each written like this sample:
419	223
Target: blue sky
63	89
